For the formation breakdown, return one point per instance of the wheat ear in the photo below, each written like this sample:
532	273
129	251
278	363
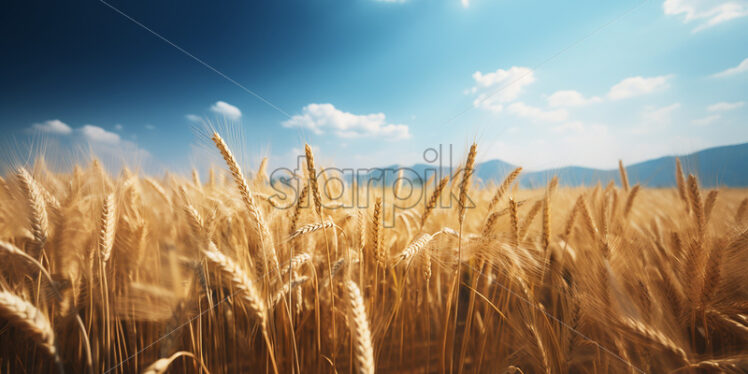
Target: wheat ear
297	207
624	176
711	199
363	350
433	200
161	365
572	217
107	228
239	281
525	226
37	206
741	212
266	238
196	179
376	224
313	178
508	180
467	174
261	176
547	217
654	336
630	200
413	249
30	320
287	287
681	181
697	205
159	189
310	228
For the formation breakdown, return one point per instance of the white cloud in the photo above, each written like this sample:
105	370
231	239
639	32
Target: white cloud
707	13
53	126
521	109
321	117
742	67
636	86
194	118
655	118
724	106
499	87
661	115
568	98
708	120
227	110
150	127
97	134
118	127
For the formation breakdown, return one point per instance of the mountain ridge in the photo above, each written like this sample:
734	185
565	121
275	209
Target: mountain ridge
725	166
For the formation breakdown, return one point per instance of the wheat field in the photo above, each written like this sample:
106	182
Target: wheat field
123	273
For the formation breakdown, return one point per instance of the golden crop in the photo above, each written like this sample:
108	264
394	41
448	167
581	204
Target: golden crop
125	273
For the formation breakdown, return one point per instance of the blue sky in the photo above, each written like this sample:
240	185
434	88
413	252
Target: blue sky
372	83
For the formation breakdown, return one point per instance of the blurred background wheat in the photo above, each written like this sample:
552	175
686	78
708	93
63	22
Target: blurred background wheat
125	273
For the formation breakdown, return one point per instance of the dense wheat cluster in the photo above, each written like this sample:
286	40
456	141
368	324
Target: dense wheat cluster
117	272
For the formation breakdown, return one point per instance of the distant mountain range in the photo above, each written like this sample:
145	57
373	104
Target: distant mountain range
720	166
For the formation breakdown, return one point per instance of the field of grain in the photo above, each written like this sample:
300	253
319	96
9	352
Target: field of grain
123	273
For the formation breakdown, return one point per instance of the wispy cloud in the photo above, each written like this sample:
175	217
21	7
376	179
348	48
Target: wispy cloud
194	118
705	13
741	68
662	115
320	118
637	86
570	98
227	110
97	134
500	87
708	120
521	109
53	126
724	106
